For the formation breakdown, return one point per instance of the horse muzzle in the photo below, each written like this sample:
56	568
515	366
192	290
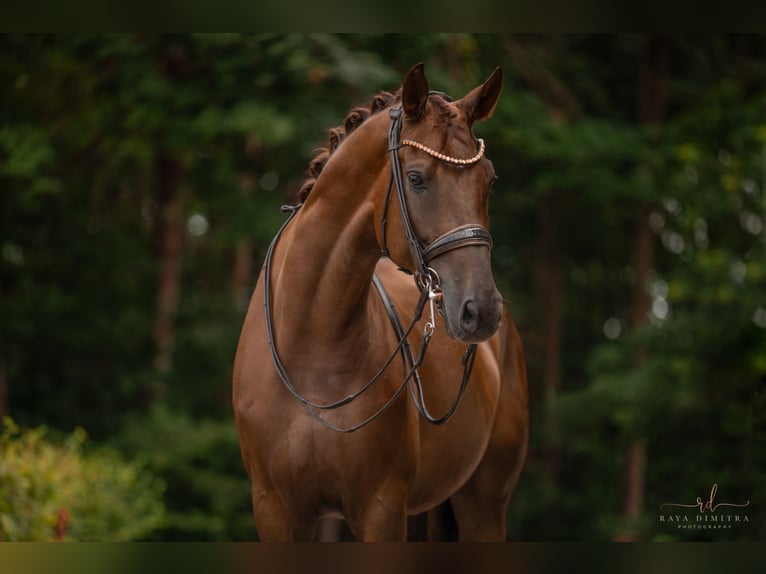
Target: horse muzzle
470	303
472	317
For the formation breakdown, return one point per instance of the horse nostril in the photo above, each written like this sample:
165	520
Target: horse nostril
469	317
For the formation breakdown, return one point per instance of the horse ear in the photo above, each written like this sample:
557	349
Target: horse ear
480	103
415	93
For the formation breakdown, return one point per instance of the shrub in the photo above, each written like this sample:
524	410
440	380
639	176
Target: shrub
208	492
56	490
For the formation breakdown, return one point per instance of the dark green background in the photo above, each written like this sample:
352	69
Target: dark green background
91	126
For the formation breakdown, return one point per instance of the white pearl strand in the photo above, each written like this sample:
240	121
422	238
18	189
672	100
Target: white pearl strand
447	158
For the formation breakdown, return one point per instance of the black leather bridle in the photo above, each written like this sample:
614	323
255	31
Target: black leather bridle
426	279
422	255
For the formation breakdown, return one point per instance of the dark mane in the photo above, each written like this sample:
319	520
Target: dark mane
336	135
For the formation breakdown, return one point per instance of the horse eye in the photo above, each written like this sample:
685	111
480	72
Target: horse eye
416	181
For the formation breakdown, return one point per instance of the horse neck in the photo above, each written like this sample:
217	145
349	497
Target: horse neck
325	262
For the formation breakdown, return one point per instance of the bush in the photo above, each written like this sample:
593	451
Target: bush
55	490
208	492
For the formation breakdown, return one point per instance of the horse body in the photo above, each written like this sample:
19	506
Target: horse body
333	335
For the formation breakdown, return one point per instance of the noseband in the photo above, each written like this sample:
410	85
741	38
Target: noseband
463	236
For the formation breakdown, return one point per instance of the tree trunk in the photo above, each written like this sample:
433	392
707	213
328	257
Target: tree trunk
651	109
170	242
562	107
551	277
635	457
242	267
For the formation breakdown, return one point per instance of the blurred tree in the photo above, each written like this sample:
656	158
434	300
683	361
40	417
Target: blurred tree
141	181
653	90
562	107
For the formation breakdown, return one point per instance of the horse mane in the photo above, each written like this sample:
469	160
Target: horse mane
336	135
353	120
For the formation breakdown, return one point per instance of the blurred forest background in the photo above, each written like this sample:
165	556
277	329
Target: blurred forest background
140	179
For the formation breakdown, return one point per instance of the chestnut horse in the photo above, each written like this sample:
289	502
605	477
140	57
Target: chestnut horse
405	177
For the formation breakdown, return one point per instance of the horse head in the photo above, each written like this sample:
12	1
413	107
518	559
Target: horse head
443	189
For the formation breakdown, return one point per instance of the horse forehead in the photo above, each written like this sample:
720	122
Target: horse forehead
452	116
446	129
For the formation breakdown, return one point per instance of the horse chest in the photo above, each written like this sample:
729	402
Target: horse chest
449	455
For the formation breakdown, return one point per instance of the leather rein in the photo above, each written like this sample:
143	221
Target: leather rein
426	279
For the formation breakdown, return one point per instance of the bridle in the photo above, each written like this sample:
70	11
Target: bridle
422	255
426	279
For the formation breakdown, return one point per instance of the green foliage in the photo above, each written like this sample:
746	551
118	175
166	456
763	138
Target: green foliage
104	497
87	120
208	493
691	382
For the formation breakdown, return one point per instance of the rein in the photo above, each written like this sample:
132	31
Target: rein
426	279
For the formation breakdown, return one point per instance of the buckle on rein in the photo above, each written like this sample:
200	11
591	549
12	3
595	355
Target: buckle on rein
430	283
